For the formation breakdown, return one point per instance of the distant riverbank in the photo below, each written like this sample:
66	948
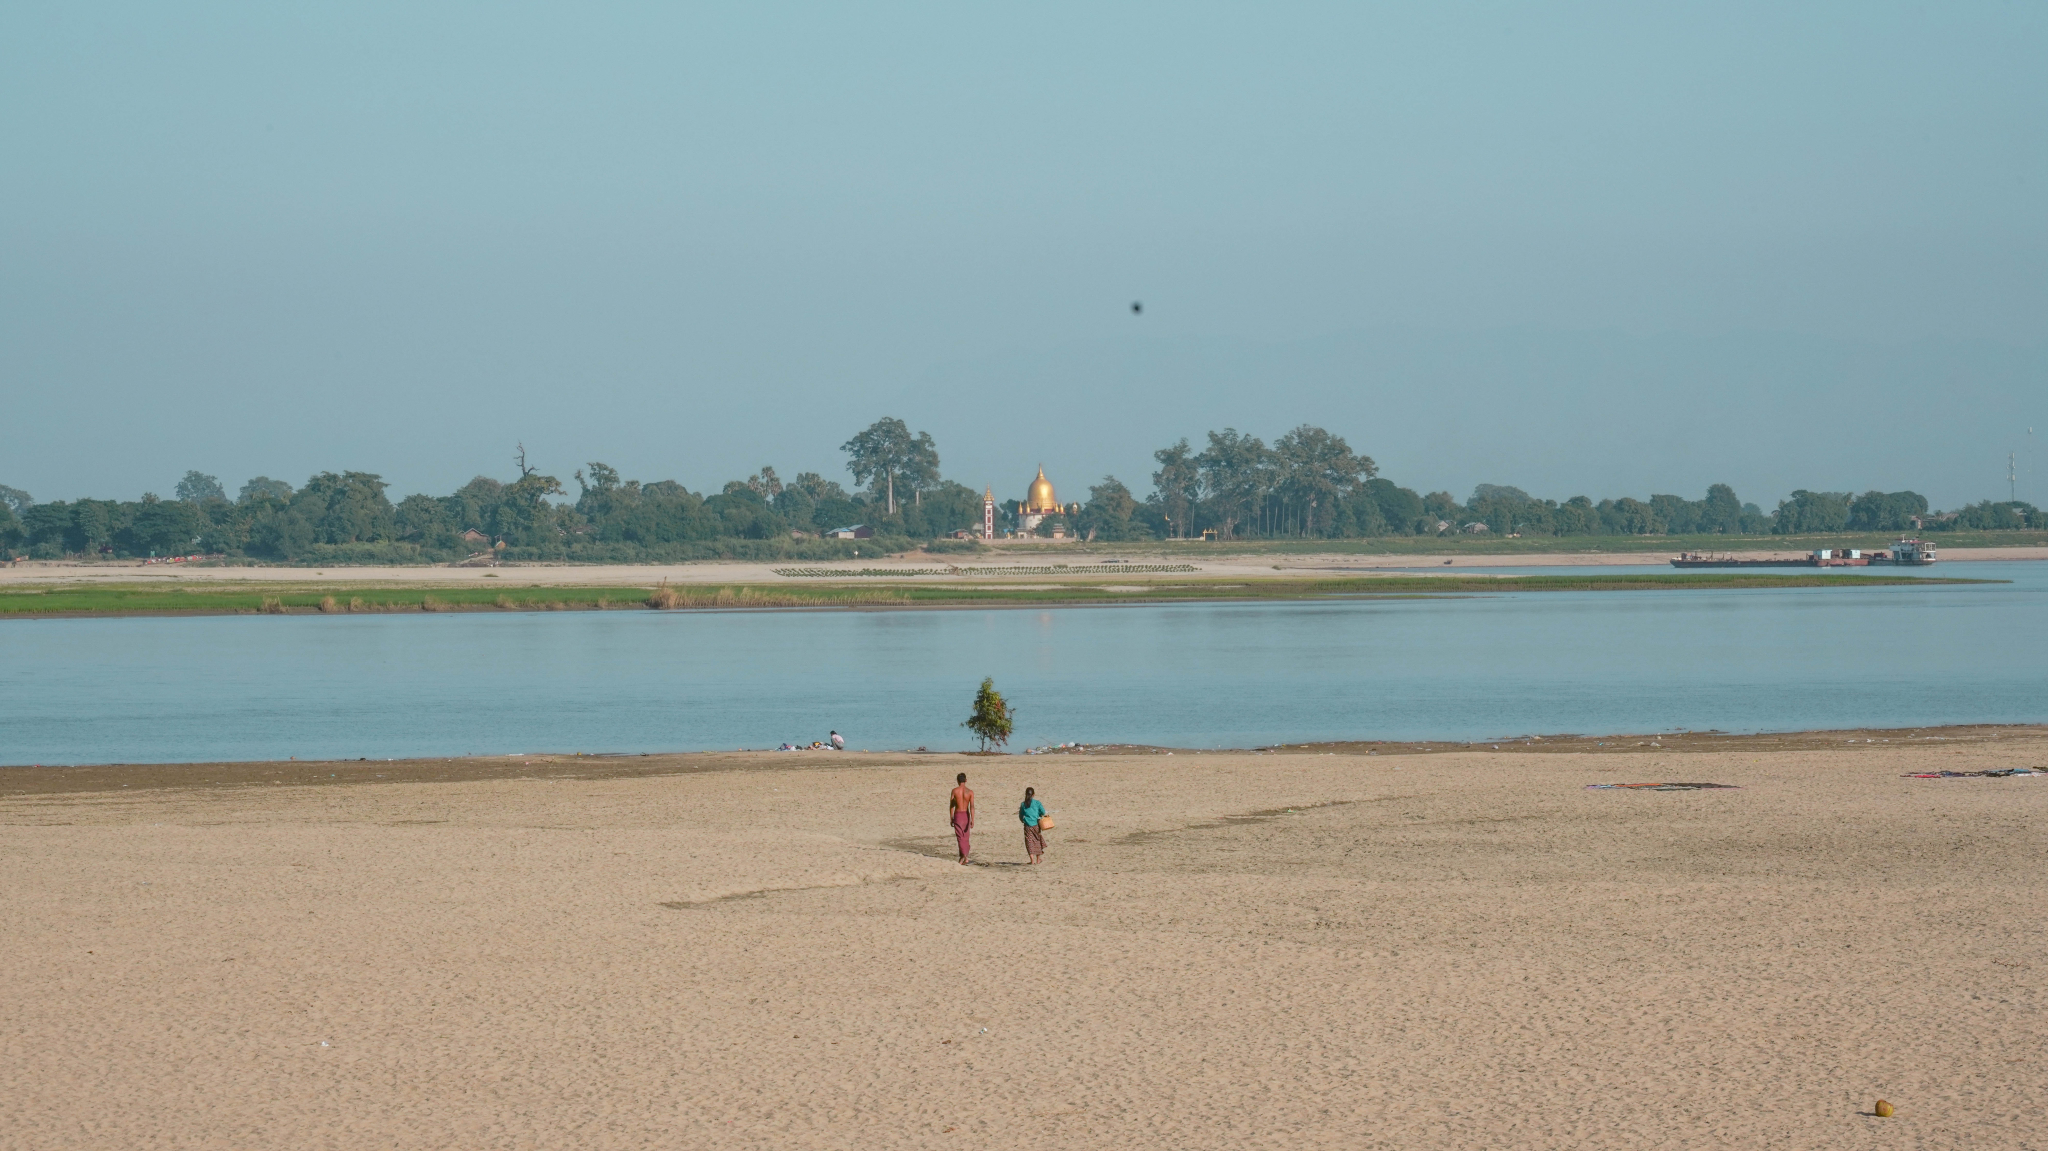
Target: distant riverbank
1232	559
345	595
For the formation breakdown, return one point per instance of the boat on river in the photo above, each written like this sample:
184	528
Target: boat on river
1906	552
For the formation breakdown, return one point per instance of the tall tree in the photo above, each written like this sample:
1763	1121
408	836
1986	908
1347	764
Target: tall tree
17	500
198	487
1107	514
264	488
1319	469
1237	474
886	454
1721	511
1178	485
165	527
922	471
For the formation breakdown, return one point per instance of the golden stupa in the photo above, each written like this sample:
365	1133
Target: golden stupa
1041	501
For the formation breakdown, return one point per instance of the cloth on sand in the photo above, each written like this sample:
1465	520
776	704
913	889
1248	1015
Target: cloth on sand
960	830
1661	786
1034	840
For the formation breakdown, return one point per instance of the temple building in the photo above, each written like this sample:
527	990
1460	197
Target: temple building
1040	503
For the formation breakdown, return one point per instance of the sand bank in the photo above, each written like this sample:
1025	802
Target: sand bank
1319	948
1032	568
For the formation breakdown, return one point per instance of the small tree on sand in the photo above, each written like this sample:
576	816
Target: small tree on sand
990	722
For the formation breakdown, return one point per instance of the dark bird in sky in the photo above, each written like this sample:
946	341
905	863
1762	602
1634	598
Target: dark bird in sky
1137	307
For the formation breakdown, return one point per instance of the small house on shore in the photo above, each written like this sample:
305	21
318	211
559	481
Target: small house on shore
856	532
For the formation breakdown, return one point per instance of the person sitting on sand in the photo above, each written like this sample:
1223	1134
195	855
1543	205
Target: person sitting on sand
1030	812
960	814
838	742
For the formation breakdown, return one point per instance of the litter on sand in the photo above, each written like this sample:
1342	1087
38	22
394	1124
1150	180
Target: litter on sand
1659	786
1999	773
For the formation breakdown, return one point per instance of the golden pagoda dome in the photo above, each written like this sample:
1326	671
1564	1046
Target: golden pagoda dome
1041	500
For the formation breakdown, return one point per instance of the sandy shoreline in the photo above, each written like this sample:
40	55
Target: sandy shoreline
1321	948
647	575
23	779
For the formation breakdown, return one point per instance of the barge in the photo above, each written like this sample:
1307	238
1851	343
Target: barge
1905	553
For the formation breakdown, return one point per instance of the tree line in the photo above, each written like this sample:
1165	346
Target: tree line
1307	484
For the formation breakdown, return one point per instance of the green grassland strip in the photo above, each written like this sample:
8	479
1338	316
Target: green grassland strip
147	599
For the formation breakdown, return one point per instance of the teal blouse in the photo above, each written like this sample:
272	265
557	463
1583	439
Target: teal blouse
1031	812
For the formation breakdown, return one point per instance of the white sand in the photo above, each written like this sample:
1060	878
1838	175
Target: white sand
1463	950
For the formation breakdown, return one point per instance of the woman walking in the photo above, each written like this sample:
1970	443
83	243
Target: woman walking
1032	813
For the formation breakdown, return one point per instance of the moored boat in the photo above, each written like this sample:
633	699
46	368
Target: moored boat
1909	552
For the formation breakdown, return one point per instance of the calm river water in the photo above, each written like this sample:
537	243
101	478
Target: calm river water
1196	675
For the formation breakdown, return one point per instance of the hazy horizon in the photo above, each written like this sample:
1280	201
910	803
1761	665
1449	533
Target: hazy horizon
1599	251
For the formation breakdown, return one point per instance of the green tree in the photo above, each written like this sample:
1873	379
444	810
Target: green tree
922	471
1400	508
49	525
17	501
991	721
1720	512
1576	517
164	527
1237	476
1177	486
817	487
887	454
347	508
264	488
1107	514
1886	511
523	517
1508	510
1810	512
1442	508
1627	516
1678	515
198	487
423	520
1316	470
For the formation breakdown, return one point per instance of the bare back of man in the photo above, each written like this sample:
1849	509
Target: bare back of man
960	814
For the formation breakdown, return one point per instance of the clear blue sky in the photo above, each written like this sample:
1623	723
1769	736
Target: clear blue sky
1600	249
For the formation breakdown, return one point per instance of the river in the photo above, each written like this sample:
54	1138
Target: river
1186	675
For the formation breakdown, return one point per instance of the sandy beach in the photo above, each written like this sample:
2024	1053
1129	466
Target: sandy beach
1356	947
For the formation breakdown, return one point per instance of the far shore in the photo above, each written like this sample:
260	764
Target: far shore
1240	566
881	589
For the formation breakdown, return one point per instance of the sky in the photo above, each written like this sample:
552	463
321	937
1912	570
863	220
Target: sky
1601	249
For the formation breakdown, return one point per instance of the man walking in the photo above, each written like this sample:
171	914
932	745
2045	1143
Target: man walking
960	813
